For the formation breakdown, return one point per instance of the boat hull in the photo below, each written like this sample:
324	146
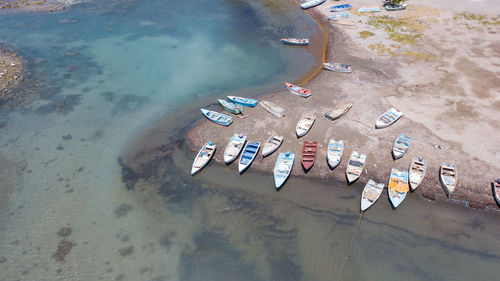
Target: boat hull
283	168
234	148
243	101
271	145
496	196
311	4
371	193
199	162
401	181
248	156
309	150
337	67
449	183
216	117
273	109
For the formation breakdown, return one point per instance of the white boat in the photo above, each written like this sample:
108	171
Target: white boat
417	172
271	145
370	194
312	3
283	168
346	23
355	166
334	153
401	146
338	67
388	118
305	123
338	16
272	108
369	9
448	178
203	157
338	112
234	147
398	187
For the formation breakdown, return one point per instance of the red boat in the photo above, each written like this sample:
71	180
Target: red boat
296	90
309	154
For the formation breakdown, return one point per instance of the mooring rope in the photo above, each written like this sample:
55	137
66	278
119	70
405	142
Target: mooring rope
349	248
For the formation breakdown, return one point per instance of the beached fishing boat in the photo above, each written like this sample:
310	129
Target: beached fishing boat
305	123
340	8
355	166
231	106
369	9
272	108
309	150
334	153
296	90
295	41
234	147
448	178
388	118
243	101
248	155
312	3
370	194
340	16
401	146
345	23
417	172
394	7
216	117
338	112
495	185
398	187
283	168
338	67
203	157
271	145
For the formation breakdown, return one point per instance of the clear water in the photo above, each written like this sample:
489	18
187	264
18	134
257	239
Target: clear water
139	61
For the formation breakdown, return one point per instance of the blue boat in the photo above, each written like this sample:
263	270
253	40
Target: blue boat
401	146
248	155
216	117
339	8
243	101
372	9
398	187
283	168
339	16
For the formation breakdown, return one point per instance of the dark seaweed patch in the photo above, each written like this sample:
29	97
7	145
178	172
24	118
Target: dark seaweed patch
127	251
166	239
63	248
129	103
122	210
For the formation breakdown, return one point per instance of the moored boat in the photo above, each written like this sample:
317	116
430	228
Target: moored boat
295	41
231	106
216	117
395	7
370	194
334	153
401	146
203	157
248	155
338	112
305	123
338	67
417	172
448	178
296	90
388	118
398	187
243	101
234	147
309	150
283	168
271	145
272	108
339	8
355	166
340	16
495	185
312	3
369	9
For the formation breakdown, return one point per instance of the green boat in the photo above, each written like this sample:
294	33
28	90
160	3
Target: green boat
231	106
394	7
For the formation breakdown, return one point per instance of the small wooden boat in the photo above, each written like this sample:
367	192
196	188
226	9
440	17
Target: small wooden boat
203	157
309	150
271	145
231	106
334	153
417	172
370	194
448	178
248	155
295	41
369	9
340	8
394	7
388	118
272	108
216	117
283	168
338	16
243	101
338	67
296	90
304	125
495	185
401	146
234	147
338	112
312	3
355	166
397	187
346	23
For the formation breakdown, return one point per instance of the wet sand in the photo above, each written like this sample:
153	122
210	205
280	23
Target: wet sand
441	70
